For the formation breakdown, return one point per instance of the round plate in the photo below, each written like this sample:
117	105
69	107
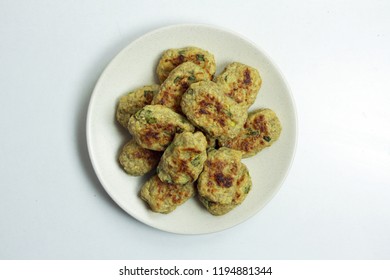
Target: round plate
135	66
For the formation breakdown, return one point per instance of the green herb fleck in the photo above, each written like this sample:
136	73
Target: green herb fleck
150	119
247	189
195	161
199	57
146	112
169	180
191	78
253	132
267	138
138	114
190	91
230	115
182	52
177	79
226	78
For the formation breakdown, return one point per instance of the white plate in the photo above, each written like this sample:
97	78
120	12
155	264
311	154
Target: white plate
135	66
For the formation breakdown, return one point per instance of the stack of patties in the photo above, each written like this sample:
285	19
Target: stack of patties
195	128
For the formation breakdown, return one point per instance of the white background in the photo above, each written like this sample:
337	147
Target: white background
334	203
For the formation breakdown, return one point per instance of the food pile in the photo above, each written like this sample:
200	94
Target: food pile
193	129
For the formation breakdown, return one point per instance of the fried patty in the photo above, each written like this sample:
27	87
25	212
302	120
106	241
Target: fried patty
183	160
240	82
154	126
133	101
242	188
137	161
177	83
173	57
217	181
261	130
163	197
208	108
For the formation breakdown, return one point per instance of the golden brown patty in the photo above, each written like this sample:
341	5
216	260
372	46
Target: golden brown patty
163	197
130	103
217	181
240	82
242	188
177	83
174	57
183	160
136	160
154	126
208	108
261	130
